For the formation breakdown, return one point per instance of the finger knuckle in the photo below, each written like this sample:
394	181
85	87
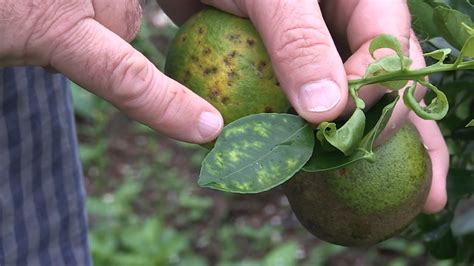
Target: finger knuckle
302	43
137	85
171	104
130	79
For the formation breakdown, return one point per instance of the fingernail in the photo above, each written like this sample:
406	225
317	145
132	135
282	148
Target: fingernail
209	124
319	96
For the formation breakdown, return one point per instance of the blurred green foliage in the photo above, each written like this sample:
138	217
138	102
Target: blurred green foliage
449	234
145	207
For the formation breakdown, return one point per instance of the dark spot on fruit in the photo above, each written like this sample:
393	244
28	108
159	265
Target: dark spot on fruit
184	38
250	42
194	58
214	93
261	65
277	83
206	51
187	76
268	109
234	37
232	74
227	61
233	54
225	100
258	70
210	70
200	30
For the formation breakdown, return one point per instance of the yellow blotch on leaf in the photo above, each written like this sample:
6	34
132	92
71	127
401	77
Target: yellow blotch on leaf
291	163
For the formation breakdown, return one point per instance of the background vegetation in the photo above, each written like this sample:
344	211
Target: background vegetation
145	207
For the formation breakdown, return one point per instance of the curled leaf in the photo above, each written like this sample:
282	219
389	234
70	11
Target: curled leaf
257	152
385	65
436	110
439	55
390	42
385	114
353	90
323	160
347	137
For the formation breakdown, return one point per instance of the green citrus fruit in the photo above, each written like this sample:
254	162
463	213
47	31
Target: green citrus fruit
222	58
365	203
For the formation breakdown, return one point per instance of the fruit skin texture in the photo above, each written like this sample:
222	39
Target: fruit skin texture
365	203
222	58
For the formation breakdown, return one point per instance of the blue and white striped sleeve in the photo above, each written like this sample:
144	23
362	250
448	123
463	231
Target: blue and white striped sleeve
42	213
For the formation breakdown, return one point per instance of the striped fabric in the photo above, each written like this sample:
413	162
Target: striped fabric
42	213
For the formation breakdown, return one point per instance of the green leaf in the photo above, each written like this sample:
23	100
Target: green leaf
284	255
367	142
468	48
441	242
469	30
348	136
471	123
439	55
353	91
394	85
329	160
449	22
390	42
436	110
422	19
257	152
464	6
465	252
322	253
385	65
460	183
323	160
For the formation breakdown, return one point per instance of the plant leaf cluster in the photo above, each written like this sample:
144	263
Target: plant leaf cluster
259	152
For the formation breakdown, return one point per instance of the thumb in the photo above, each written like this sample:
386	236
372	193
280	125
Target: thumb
303	53
108	66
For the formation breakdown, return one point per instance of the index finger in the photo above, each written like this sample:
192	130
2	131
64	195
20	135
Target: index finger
104	63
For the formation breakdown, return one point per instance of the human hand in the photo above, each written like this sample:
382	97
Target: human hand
87	41
313	67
